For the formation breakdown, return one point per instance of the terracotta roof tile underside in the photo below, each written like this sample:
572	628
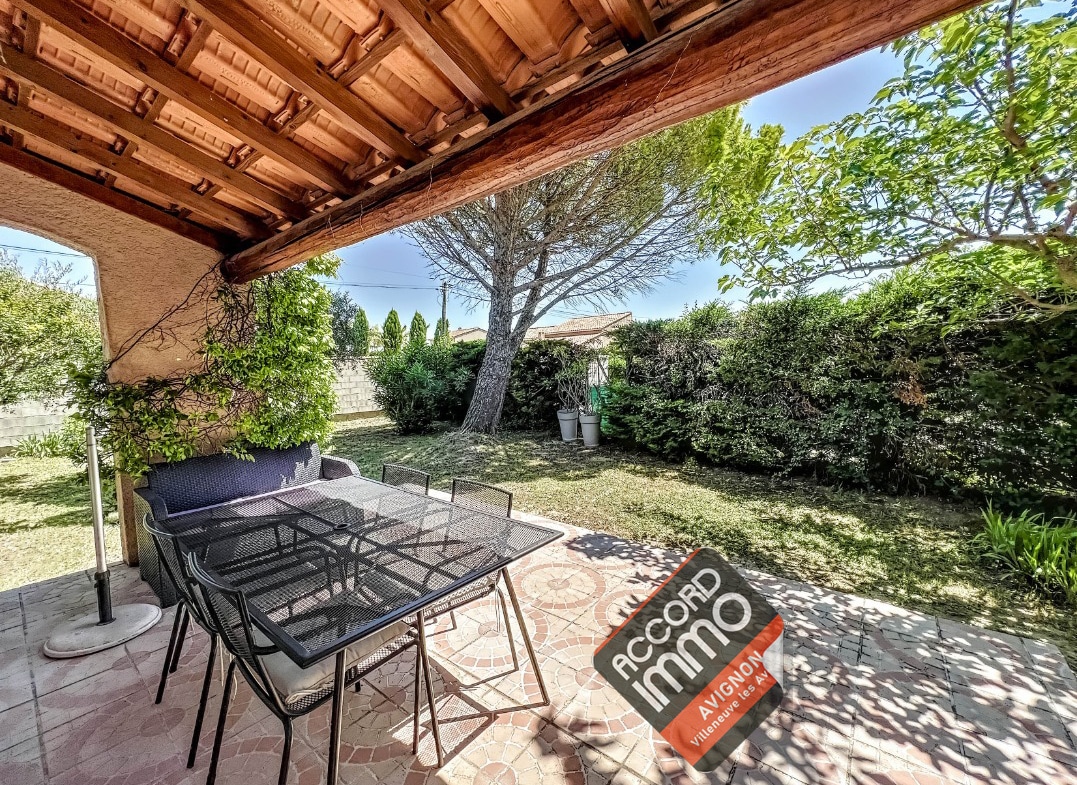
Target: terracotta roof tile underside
242	121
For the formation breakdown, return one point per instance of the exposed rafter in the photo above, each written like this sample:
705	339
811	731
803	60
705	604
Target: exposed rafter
80	184
138	131
377	53
714	62
244	29
170	188
631	20
105	41
447	49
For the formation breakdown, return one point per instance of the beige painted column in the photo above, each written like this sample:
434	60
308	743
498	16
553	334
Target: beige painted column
143	273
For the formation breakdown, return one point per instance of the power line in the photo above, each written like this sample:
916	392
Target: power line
380	285
42	250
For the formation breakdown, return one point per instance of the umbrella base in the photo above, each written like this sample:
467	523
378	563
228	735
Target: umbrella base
86	635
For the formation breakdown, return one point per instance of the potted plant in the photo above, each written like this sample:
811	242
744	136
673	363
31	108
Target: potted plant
568	392
591	418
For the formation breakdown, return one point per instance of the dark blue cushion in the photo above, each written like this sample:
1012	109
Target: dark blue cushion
214	479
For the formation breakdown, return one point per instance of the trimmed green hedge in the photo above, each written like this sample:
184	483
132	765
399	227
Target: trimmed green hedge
927	382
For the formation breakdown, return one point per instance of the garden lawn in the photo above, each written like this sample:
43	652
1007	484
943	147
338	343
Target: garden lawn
45	524
912	552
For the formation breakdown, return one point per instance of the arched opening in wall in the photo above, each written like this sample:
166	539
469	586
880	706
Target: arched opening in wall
49	320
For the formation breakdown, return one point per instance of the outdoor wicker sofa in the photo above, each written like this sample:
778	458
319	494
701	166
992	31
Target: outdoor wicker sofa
208	481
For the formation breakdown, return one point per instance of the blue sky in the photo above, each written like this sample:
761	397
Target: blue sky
391	261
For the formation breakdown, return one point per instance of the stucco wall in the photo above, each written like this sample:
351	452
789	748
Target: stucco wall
143	272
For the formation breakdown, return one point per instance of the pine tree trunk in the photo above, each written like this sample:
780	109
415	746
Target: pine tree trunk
484	413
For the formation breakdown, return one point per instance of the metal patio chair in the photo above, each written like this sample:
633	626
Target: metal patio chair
490	500
287	690
482	497
405	477
190	606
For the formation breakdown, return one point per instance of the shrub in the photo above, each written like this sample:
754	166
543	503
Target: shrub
932	380
1043	551
42	328
416	385
531	401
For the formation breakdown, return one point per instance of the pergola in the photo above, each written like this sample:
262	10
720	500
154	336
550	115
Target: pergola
167	137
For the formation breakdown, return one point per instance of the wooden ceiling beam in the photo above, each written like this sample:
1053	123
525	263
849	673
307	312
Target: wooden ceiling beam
744	49
80	184
82	26
95	154
138	130
247	31
377	53
631	20
443	46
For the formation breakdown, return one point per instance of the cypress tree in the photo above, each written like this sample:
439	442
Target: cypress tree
361	334
417	331
392	333
441	333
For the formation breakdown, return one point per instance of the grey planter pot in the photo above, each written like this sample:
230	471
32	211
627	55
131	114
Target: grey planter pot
568	419
591	426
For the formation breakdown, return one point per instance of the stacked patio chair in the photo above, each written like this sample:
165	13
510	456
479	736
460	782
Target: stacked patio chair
287	690
405	477
190	606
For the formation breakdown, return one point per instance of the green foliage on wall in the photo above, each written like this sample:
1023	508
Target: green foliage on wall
932	381
265	378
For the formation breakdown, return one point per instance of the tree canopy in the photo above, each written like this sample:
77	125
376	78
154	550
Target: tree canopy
967	157
43	328
590	234
351	330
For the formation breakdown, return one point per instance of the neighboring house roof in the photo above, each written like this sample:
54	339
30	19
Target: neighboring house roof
582	330
590	331
461	334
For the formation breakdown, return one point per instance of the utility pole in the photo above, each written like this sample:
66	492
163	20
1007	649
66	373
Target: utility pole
444	300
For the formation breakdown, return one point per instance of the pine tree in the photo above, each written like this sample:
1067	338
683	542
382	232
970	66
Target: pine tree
392	333
360	334
417	331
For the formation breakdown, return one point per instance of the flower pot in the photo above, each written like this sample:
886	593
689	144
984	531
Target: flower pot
568	419
591	425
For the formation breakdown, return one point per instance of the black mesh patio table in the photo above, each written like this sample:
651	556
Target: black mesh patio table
326	564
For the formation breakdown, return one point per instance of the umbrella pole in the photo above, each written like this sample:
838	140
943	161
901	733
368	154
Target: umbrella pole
100	576
106	628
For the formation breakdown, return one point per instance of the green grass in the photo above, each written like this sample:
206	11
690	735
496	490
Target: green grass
916	553
45	524
913	552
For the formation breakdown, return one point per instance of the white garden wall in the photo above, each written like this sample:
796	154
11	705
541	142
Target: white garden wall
355	397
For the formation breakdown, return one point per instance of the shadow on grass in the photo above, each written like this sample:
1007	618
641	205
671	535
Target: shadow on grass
912	552
24	493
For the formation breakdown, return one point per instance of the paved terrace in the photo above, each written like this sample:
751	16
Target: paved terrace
874	694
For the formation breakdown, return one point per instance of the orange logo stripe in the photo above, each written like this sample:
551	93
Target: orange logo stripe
688	726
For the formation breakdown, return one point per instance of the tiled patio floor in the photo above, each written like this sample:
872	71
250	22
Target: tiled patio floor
874	694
